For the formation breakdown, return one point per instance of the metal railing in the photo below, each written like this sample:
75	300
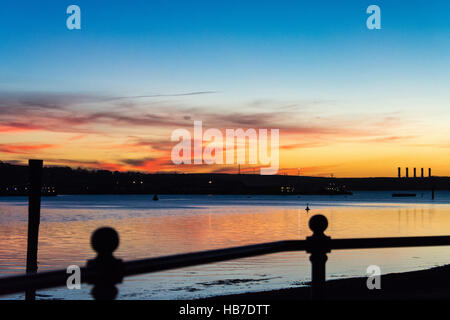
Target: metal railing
105	271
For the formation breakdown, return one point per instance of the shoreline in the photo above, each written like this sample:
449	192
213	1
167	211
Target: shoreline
427	284
66	180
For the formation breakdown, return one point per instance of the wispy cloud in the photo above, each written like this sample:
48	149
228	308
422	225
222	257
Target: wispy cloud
58	113
24	149
138	162
195	93
133	133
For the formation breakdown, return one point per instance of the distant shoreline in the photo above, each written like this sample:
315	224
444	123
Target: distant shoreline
65	180
417	194
428	284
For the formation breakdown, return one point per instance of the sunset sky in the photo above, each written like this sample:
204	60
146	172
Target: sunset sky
347	100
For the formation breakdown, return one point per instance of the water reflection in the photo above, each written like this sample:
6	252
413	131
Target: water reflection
145	232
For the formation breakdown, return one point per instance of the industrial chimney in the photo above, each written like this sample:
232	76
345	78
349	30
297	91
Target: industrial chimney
406	173
399	172
414	172
429	172
421	172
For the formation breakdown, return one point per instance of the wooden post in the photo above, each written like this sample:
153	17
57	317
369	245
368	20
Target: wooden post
34	216
318	247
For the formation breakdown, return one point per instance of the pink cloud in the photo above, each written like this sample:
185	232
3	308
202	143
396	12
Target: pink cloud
23	149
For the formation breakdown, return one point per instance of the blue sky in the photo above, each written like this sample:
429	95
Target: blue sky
232	46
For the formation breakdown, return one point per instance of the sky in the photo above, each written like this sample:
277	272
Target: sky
347	100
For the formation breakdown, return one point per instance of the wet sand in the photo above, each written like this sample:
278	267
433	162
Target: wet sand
430	284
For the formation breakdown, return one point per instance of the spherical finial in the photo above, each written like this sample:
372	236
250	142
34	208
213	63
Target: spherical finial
105	240
318	223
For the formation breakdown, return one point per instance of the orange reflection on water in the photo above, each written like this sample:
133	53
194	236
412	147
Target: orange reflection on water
64	243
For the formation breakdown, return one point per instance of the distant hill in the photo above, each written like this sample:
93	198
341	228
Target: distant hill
81	181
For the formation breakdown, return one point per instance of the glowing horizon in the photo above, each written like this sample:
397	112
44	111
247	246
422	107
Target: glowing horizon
348	101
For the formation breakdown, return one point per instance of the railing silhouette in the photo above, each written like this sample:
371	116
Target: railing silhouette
105	271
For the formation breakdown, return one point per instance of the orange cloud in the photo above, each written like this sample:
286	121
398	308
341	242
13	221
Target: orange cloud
23	149
123	134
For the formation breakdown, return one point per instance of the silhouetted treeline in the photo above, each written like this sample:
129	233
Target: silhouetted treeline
82	181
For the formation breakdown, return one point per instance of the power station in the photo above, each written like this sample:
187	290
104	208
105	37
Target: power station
399	172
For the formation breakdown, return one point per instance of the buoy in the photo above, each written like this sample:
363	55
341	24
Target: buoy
155	197
307	207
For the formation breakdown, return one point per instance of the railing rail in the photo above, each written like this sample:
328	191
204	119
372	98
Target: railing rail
105	271
204	257
373	243
50	279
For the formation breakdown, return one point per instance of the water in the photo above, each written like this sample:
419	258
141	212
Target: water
181	223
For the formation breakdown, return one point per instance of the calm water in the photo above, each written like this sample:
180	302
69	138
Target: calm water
178	224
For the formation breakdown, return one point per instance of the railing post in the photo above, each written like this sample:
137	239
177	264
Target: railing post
107	269
319	246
